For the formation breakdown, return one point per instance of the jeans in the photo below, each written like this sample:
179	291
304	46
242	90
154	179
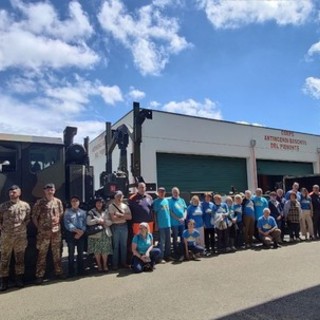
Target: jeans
177	232
165	242
137	264
223	239
72	244
120	238
195	248
294	229
209	238
316	223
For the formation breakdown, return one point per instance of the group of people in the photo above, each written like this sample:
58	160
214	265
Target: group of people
125	231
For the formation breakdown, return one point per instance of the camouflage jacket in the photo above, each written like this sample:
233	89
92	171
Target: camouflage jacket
48	214
14	217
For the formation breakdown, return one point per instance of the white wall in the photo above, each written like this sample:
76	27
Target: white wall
190	135
173	133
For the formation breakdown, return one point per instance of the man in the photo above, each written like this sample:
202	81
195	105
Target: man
46	216
140	205
162	215
268	229
295	189
119	213
14	218
248	218
275	209
178	214
75	222
315	197
260	203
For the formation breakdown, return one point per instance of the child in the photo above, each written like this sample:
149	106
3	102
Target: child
191	238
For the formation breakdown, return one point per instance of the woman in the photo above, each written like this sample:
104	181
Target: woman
119	213
209	233
306	223
191	237
194	212
221	222
292	212
100	243
144	254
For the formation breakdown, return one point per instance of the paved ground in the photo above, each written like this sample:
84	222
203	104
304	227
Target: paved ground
265	284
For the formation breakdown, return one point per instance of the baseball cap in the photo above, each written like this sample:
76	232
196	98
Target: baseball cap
49	186
14	187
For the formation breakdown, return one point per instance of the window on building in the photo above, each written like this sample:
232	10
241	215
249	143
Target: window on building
43	156
8	159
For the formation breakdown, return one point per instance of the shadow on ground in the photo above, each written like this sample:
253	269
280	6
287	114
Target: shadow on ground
300	305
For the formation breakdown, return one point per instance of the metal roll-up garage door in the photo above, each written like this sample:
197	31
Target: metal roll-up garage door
283	168
195	173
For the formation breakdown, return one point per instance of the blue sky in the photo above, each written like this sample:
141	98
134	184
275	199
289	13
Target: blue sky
83	63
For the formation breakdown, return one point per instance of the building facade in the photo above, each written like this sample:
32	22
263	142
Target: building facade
203	154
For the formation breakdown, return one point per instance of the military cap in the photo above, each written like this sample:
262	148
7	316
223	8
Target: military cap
49	186
13	187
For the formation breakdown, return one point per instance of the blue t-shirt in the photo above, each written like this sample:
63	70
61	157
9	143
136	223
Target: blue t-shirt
248	208
287	196
191	237
195	213
208	209
178	208
305	203
237	212
162	211
260	203
266	224
221	209
143	244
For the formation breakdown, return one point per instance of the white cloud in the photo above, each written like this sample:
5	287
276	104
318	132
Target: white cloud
233	14
136	94
42	19
314	49
150	36
33	119
312	87
34	37
154	104
111	95
207	109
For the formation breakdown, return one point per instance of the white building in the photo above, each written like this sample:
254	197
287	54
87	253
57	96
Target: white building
202	154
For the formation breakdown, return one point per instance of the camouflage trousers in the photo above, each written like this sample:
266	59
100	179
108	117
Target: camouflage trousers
17	245
43	243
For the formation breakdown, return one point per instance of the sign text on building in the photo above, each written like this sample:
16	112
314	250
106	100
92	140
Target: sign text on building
286	141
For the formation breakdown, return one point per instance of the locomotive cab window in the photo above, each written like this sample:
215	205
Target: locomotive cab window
43	157
8	159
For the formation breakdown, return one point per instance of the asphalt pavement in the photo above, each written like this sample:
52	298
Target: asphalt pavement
252	284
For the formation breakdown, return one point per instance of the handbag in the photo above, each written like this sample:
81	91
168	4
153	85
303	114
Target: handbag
96	228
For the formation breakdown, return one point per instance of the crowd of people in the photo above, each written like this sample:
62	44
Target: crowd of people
125	231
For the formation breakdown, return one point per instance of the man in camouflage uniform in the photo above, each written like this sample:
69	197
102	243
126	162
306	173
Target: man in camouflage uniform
46	215
14	217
